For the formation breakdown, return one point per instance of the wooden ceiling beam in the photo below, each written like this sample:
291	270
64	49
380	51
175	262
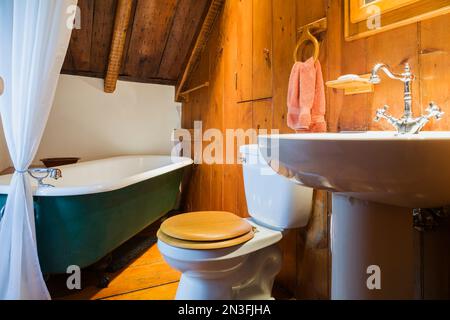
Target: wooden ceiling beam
122	20
214	10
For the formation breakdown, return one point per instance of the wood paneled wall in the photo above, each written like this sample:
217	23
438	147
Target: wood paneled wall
247	62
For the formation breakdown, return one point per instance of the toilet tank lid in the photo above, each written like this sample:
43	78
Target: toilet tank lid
249	149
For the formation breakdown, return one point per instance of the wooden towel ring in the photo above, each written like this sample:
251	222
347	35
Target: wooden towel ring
307	37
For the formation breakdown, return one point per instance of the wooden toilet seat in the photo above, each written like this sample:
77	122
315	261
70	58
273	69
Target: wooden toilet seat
205	230
204	245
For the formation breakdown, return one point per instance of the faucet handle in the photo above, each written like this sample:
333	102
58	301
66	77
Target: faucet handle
381	113
434	111
55	173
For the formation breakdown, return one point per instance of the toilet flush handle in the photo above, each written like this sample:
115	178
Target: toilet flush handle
243	159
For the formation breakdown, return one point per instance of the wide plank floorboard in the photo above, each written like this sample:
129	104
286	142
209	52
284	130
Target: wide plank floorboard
146	277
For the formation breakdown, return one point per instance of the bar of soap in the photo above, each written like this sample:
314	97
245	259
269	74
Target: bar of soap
347	77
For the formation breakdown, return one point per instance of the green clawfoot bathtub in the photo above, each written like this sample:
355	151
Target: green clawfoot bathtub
98	205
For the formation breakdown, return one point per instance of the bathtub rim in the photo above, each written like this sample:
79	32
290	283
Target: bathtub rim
180	162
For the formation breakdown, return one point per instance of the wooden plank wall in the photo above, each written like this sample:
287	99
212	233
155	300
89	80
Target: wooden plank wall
233	59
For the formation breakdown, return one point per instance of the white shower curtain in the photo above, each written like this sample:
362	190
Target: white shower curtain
34	36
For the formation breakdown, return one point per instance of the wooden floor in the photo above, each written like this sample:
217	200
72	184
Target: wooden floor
147	277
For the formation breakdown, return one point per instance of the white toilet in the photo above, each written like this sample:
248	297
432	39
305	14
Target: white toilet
226	257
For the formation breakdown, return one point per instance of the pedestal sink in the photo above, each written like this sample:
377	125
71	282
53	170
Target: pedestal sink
377	178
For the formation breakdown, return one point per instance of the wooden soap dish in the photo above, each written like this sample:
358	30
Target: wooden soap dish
353	85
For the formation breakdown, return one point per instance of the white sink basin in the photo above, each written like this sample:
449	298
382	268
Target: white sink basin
408	171
376	178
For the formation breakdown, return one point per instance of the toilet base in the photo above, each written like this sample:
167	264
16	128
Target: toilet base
250	277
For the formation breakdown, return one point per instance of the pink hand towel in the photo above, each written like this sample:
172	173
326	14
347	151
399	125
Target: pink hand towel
319	107
306	98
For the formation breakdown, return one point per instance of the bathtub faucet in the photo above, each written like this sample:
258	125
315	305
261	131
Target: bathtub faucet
407	123
42	173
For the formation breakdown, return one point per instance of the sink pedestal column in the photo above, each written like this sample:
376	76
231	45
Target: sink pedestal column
368	237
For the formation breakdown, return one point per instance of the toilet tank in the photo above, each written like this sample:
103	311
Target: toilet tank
272	199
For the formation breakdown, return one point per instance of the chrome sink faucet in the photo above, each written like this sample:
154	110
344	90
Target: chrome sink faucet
407	123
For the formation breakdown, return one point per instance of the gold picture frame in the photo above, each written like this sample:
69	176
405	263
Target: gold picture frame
364	18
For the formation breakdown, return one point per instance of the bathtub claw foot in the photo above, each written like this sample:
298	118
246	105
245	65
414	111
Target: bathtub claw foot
103	282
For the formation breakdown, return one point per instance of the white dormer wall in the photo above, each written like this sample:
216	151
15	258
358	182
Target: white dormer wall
86	122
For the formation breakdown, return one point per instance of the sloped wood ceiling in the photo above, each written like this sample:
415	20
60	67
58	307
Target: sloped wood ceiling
159	40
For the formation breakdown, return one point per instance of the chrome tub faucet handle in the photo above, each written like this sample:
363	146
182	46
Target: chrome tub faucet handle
42	173
55	173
